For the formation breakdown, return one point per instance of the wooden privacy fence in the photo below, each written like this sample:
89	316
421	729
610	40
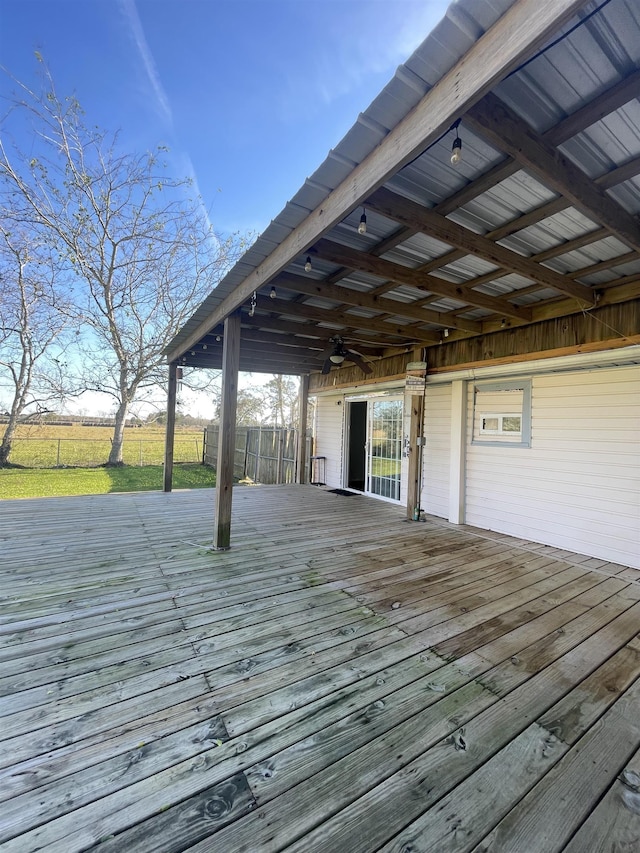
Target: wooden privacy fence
263	454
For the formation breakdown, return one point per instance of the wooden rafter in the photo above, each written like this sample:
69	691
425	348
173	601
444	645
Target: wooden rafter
499	124
306	330
373	348
345	320
392	307
612	99
336	253
408	212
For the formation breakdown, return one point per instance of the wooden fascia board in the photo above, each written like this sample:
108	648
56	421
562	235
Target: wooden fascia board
404	210
313	287
494	120
626	292
522	29
339	254
559	352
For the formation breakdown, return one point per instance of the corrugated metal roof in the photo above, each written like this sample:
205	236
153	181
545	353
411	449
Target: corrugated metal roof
554	85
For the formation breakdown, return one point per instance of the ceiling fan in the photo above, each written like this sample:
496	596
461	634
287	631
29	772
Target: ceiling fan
336	353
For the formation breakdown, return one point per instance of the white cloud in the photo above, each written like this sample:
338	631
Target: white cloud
359	45
130	13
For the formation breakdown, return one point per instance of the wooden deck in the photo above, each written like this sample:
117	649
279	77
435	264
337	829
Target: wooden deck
341	680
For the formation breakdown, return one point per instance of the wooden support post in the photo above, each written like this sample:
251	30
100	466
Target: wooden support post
227	436
172	393
301	463
414	477
457	466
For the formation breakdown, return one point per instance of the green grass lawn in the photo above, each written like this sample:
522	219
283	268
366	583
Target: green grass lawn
59	482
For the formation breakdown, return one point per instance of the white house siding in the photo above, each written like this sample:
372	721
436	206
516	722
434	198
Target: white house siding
328	435
578	486
435	460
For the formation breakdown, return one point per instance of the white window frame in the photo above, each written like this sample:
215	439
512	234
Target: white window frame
500	418
498	438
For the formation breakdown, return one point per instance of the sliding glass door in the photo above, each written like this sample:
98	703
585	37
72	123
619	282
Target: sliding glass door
374	453
384	448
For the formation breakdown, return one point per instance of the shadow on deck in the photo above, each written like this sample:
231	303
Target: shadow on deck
340	680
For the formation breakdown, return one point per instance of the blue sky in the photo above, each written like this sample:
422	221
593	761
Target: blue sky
250	95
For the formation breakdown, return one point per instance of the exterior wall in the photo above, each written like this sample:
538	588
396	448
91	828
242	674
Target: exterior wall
328	435
578	486
436	454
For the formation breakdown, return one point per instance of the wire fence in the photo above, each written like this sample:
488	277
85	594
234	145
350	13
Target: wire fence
91	452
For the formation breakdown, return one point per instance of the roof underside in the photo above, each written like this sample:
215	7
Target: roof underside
538	220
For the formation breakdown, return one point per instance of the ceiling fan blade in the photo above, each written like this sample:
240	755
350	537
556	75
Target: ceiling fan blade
358	361
326	367
328	351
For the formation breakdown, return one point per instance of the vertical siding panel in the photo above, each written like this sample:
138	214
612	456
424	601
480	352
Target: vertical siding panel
328	436
578	486
435	462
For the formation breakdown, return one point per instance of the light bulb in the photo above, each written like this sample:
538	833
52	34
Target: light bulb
307	266
456	151
362	228
272	293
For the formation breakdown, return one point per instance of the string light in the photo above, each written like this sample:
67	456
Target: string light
307	266
362	228
252	304
272	293
456	148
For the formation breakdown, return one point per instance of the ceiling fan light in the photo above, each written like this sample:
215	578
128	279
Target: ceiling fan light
336	358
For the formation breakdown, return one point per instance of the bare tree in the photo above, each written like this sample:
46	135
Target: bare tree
138	243
281	399
32	324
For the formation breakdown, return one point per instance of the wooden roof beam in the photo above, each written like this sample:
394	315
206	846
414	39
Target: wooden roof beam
312	330
408	212
343	320
372	348
505	130
343	255
313	287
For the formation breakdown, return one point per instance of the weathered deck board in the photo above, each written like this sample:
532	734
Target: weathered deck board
311	689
